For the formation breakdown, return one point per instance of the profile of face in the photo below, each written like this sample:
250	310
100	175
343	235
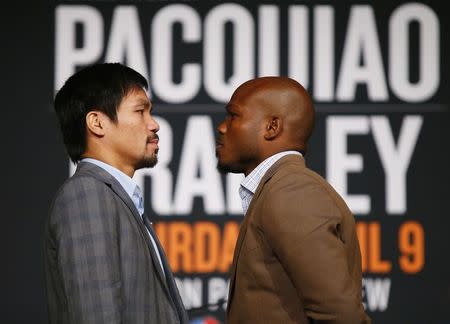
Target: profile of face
265	116
238	143
133	138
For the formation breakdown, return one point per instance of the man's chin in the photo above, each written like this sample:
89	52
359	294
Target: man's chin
222	168
226	168
148	162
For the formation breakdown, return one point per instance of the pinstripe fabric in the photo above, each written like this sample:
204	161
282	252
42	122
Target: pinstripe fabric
99	266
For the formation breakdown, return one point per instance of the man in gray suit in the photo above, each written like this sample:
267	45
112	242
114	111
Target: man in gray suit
104	263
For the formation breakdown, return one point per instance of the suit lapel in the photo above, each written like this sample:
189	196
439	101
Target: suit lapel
237	249
102	175
243	230
241	236
170	280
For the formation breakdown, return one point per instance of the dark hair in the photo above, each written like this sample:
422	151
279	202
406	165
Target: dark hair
99	87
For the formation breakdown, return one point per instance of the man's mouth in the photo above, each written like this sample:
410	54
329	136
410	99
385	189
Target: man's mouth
219	142
153	140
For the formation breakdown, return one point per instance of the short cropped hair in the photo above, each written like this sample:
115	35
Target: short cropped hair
99	87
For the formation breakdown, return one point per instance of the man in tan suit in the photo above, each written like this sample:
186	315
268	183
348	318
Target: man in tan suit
297	258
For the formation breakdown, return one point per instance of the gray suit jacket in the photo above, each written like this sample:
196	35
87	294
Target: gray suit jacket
100	264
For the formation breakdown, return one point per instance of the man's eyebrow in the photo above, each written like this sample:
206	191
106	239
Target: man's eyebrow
230	107
142	102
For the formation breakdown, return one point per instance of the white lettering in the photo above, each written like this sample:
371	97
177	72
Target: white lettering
323	53
67	54
339	162
399	56
240	19
217	291
190	291
125	43
298	44
197	175
269	40
361	43
377	293
162	53
396	160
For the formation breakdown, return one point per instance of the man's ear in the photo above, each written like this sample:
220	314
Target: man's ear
273	128
95	122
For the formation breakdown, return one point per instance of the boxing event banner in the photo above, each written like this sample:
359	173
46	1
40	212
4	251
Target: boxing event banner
377	72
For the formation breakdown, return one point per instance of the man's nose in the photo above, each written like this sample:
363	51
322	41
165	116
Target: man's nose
221	129
153	125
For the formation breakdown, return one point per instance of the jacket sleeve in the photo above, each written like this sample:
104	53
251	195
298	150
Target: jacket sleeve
301	223
83	225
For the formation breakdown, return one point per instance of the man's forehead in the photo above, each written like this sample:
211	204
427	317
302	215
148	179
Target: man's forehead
247	98
139	91
137	96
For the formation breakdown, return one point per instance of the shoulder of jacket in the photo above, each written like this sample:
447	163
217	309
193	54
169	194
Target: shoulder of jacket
293	172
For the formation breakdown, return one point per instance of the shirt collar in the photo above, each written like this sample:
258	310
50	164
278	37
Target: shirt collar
252	180
128	184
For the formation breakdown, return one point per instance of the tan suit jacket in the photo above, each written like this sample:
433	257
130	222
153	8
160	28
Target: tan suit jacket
297	257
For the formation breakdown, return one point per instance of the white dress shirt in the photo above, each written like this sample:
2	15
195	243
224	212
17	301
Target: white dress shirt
248	186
